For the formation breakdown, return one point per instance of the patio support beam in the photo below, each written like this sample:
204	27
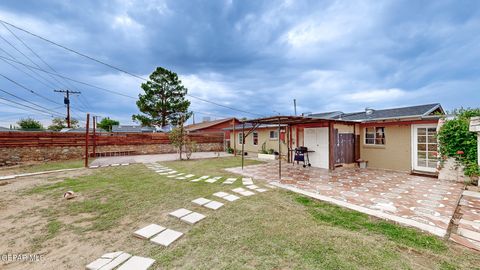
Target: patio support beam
331	145
279	153
243	143
234	139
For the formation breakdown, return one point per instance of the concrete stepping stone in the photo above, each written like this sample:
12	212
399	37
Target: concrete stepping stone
471	194
137	263
94	167
231	198
193	218
200	178
124	164
247	193
168	173
214	205
220	194
185	177
237	190
175	175
469	234
201	201
261	189
252	187
243	192
97	264
166	238
149	231
111	264
213	179
115	165
112	255
180	213
230	181
247	181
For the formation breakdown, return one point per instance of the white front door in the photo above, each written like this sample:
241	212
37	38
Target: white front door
316	139
424	148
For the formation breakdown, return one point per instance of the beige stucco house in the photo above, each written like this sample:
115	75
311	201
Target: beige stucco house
402	139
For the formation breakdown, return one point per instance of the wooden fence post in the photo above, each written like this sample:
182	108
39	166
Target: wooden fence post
86	140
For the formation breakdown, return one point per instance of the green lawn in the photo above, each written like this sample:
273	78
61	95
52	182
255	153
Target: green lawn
39	167
273	230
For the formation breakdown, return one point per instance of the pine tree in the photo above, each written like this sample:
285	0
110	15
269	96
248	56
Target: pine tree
164	101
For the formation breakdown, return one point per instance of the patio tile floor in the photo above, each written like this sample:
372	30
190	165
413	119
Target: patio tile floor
422	202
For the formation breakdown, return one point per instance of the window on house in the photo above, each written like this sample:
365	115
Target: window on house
240	138
255	138
273	134
375	135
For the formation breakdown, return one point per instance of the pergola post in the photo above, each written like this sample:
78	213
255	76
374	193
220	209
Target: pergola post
279	153
243	142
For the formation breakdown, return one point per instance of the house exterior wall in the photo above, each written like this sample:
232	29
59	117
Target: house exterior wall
263	137
216	128
396	154
342	128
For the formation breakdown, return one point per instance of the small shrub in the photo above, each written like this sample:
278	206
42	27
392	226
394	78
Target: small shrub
190	148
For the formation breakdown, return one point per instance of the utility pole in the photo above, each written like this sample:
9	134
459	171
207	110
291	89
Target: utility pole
66	101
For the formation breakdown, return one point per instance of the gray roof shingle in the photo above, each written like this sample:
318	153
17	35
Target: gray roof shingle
411	111
402	112
132	129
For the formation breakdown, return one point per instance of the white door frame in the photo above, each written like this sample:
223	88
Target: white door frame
415	146
319	159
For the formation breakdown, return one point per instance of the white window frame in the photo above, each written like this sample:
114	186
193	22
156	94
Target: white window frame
274	132
375	138
240	138
253	138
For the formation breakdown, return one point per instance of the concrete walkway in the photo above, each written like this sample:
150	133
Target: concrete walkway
153	158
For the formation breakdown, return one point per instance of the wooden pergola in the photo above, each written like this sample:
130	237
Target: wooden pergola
289	121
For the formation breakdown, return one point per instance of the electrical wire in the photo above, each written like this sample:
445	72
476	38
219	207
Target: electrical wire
117	68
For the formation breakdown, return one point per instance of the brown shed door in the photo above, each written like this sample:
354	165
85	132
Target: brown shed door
344	147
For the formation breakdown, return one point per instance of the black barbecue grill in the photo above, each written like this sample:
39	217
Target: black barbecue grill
301	155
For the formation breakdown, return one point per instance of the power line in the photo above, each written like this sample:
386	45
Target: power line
29	68
45	111
117	68
24	55
33	51
28	89
70	79
24	72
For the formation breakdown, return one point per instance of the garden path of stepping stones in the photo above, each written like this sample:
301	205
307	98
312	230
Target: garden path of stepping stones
126	261
163	236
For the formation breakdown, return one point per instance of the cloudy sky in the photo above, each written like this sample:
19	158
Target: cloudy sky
256	56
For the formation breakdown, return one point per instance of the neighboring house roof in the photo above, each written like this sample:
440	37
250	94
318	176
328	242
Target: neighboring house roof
82	130
132	129
204	125
326	115
5	129
394	113
249	126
